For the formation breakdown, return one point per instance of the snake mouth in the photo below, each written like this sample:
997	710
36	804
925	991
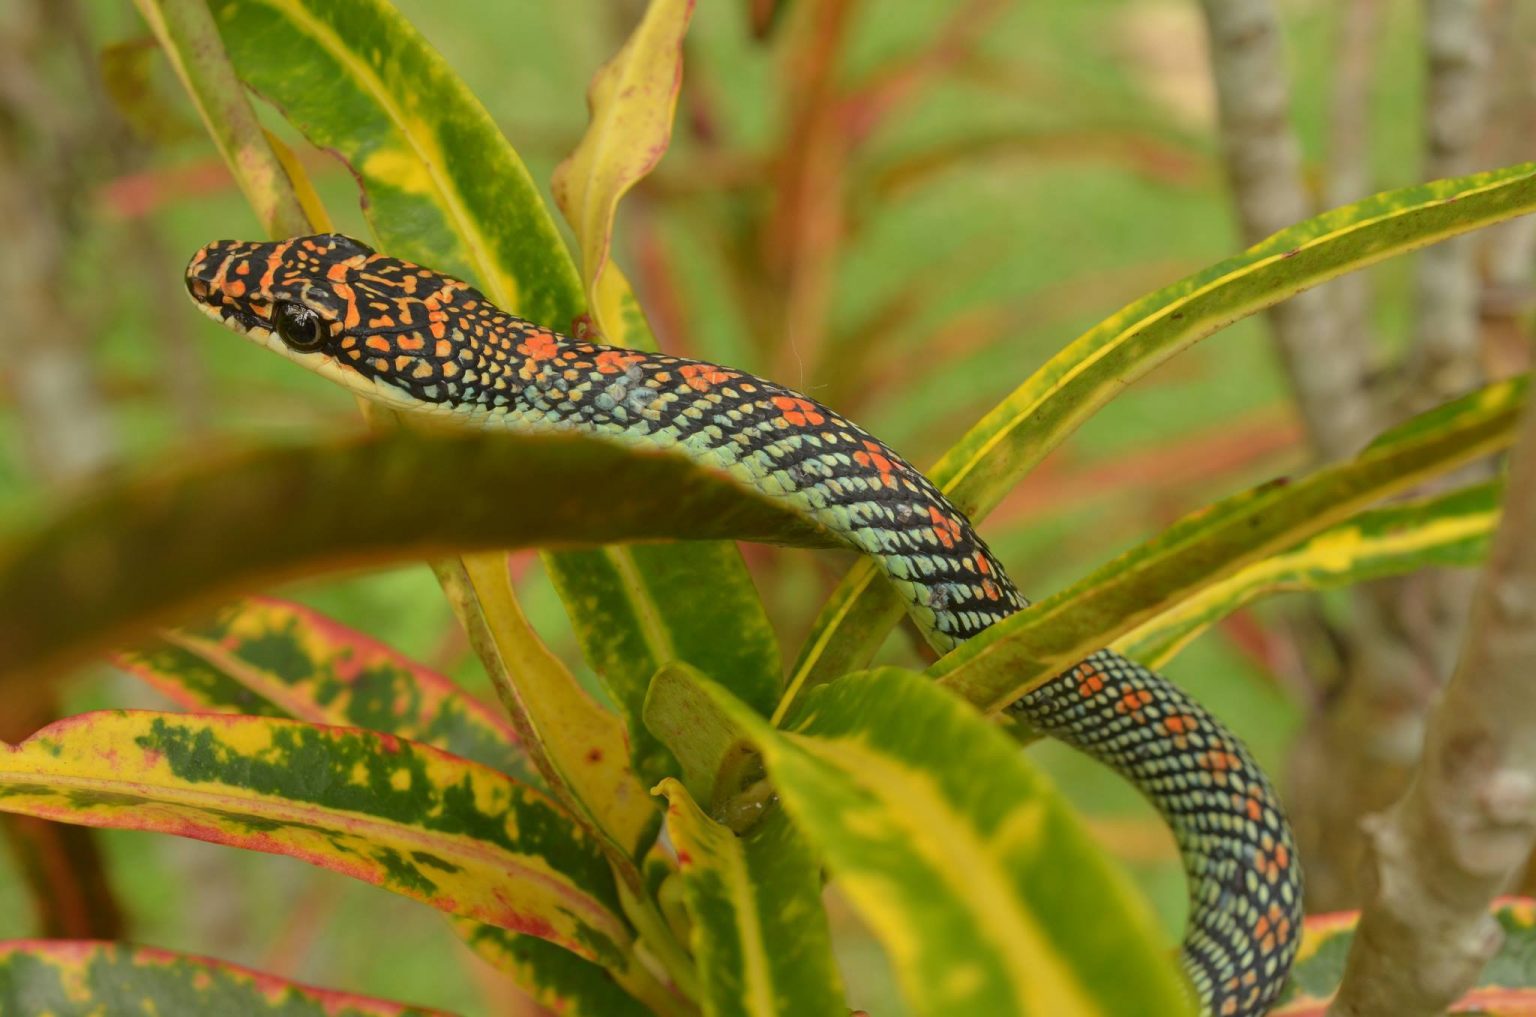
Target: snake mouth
230	315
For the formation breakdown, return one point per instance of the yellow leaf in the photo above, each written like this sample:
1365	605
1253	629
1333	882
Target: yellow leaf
631	102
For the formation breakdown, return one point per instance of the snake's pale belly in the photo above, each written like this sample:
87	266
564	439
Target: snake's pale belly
428	343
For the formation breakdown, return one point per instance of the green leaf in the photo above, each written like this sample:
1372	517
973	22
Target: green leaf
559	980
444	188
1506	988
280	659
631	100
1447	530
634	613
1021	430
453	834
274	658
1022	651
759	932
139	549
988	895
69	978
710	746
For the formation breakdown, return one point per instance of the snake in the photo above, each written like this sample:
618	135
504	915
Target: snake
423	342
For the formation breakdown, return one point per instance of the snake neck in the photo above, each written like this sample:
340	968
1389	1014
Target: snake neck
770	438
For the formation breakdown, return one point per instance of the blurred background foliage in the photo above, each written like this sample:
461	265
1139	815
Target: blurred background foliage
901	209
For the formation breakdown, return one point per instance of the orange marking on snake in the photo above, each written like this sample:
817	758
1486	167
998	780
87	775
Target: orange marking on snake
1089	682
407	341
703	377
1219	760
378	342
873	456
443	349
798	412
615	361
352	318
947	530
273	262
383	322
539	346
1133	701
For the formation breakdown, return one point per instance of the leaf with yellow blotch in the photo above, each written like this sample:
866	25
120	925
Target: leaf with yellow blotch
1506	987
80	978
274	658
1450	529
631	102
453	834
960	878
1020	652
760	934
560	981
1021	430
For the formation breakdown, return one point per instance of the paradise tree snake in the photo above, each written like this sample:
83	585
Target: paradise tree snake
423	342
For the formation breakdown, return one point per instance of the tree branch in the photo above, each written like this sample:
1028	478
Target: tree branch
1326	367
1467	823
1444	362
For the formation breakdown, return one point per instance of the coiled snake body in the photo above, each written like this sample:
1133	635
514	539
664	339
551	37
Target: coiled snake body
423	342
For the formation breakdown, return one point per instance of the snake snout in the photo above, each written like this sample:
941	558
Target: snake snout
205	268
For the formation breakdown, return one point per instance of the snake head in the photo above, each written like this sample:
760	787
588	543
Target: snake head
376	324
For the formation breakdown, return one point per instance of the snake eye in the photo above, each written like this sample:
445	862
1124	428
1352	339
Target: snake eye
298	326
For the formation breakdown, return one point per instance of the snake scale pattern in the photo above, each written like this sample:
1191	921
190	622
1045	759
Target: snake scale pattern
422	342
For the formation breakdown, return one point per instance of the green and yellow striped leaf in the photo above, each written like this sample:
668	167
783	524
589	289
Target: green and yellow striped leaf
453	834
102	569
987	894
1212	544
560	981
638	611
631	101
1019	432
1448	530
74	978
760	935
1506	987
274	658
444	188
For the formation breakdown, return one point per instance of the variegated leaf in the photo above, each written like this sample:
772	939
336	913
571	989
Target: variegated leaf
453	834
76	978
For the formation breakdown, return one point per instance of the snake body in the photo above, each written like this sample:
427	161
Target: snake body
423	342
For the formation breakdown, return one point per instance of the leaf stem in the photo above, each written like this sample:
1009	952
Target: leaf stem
187	34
